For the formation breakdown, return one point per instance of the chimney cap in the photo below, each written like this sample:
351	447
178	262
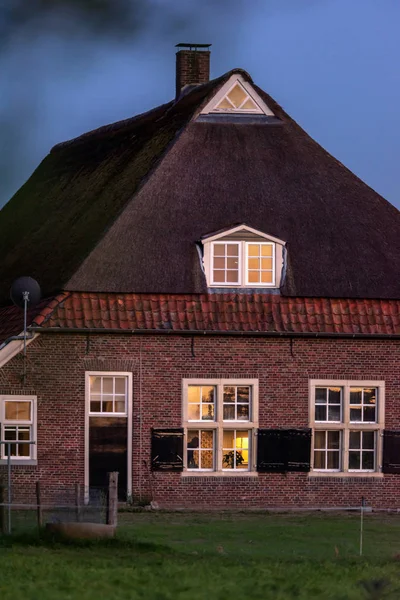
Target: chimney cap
192	46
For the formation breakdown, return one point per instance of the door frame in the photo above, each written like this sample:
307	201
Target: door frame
129	426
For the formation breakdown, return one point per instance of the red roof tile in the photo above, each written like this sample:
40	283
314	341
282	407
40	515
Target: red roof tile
228	312
12	318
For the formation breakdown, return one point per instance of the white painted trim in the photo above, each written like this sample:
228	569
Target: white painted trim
226	88
230	284
215	236
128	415
31	423
13	348
218	425
346	425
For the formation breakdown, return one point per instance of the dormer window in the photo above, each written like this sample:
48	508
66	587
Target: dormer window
242	257
237	96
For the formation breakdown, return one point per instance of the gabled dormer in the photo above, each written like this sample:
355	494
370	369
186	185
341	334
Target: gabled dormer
243	257
237	96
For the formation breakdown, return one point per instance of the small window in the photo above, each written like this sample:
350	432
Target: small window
237	100
347	421
18	429
226	412
250	264
108	394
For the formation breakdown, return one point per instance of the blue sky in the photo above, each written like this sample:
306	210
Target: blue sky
332	64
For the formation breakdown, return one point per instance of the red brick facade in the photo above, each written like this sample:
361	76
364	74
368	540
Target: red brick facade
56	368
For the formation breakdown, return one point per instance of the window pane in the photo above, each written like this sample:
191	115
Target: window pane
355	440
193	456
232	263
320	413
368	460
108	404
207	412
333	413
248	105
355	395
266	277
10	433
333	440
194	412
266	250
194	393
254	277
369	414
237	96
18	411
370	396
108	385
320	395
232	276
334	395
253	250
243	394
95	406
368	441
319	441
229	412
95	385
232	250
219	276
319	460
120	385
207	439
228	439
229	393
207	459
120	406
219	262
333	460
354	460
243	412
266	263
207	393
254	263
23	450
355	415
219	249
225	105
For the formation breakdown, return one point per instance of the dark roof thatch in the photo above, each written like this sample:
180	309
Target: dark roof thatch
96	216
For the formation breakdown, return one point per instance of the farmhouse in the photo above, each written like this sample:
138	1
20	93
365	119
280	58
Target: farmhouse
220	313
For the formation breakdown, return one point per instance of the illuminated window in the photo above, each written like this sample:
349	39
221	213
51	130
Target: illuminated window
226	413
18	429
108	394
348	421
250	264
237	100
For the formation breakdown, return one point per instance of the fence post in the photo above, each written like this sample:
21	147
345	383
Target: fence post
112	499
78	502
3	520
39	511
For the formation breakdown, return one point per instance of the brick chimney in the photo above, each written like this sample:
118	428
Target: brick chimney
192	65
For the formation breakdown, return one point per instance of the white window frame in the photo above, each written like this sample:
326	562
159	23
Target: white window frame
32	424
243	278
108	414
246	266
218	425
127	415
345	426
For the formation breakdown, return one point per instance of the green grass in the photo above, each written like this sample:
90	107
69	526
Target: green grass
228	556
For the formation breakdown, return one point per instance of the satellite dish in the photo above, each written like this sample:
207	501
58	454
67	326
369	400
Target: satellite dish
22	285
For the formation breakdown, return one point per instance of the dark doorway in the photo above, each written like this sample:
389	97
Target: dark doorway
108	451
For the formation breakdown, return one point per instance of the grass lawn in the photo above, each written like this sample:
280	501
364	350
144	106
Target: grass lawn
160	556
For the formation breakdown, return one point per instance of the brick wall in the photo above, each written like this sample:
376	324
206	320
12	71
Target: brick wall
192	67
56	367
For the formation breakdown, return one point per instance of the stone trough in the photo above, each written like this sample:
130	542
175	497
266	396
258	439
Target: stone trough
82	531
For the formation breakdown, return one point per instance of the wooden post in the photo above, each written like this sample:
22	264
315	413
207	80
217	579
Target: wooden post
39	511
78	502
3	519
112	499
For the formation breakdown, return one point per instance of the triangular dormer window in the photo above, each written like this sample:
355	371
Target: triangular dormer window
237	96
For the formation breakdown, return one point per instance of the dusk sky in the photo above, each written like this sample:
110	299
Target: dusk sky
332	64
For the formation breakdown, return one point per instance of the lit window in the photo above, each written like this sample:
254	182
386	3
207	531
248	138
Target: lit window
250	264
18	430
108	394
347	421
227	411
237	100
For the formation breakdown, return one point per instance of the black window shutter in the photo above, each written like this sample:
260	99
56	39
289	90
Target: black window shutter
282	450
167	449
391	452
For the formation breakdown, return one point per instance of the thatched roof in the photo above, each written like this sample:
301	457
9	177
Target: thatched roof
120	209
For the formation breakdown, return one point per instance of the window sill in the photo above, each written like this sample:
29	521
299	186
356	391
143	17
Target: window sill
347	474
19	462
223	474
